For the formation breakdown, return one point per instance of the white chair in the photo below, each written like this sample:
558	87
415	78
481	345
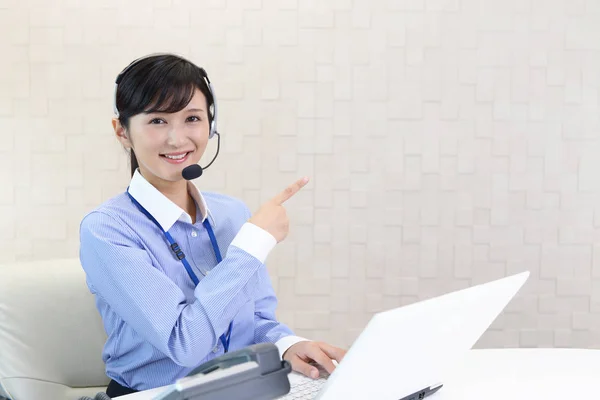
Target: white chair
51	335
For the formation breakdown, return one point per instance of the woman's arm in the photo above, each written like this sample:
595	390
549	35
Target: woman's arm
266	326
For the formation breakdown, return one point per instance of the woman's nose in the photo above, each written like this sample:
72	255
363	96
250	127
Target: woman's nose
175	136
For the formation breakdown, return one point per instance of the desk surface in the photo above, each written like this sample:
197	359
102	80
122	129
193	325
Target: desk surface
514	374
530	374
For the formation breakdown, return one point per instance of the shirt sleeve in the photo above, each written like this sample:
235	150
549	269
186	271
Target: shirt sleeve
266	326
255	241
259	242
121	272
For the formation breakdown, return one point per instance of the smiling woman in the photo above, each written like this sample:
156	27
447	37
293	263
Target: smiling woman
163	94
179	274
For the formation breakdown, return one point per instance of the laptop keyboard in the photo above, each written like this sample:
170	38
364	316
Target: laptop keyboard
306	388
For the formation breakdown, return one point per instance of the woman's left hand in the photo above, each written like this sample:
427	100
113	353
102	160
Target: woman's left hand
302	353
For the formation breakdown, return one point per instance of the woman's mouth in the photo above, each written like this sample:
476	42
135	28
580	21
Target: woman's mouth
176	158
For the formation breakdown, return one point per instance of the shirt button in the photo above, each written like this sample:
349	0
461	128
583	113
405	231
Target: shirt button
216	349
194	233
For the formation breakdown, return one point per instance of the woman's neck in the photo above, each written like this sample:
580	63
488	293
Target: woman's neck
177	192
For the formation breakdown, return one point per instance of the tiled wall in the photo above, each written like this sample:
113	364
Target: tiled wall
449	142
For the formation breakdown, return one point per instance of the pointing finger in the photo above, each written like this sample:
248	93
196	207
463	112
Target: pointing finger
290	191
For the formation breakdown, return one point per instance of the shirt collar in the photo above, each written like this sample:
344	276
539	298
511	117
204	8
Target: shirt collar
160	207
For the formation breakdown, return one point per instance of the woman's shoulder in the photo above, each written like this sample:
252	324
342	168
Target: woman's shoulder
218	198
110	212
220	202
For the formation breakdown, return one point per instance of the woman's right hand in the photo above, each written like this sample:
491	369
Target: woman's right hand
272	217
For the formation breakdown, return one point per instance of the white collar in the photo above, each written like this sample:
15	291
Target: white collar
160	207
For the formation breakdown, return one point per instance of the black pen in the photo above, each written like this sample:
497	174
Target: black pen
421	394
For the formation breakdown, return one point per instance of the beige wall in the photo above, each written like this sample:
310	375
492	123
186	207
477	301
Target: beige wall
450	142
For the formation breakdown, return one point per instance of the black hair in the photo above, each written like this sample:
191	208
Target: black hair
158	83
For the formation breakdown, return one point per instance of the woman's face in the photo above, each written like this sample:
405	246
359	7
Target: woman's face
164	144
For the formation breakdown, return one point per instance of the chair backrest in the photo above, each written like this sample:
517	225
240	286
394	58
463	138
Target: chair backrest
51	335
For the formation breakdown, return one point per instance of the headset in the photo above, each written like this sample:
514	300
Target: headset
213	112
213	124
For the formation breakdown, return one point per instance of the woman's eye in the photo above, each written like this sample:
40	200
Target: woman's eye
194	119
157	121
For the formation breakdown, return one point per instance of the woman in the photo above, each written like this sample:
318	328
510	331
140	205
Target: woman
179	275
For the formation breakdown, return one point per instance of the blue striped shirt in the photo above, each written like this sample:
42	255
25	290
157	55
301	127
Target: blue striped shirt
159	325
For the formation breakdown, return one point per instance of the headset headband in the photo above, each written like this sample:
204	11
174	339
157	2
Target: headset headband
213	123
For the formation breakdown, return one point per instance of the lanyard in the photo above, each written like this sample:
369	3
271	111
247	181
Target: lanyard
225	338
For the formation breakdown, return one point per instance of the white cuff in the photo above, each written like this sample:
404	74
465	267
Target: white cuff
288	341
255	241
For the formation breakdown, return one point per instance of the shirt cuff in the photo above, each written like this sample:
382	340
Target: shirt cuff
288	341
255	241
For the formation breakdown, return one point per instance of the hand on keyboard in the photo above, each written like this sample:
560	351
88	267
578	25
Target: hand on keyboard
302	354
305	388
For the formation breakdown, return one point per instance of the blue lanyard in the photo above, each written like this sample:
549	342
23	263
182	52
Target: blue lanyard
225	338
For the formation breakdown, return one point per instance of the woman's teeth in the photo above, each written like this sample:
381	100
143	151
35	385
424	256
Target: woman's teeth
179	157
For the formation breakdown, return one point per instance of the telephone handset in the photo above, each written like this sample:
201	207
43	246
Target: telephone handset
255	372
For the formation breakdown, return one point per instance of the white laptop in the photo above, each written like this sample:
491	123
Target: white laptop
406	352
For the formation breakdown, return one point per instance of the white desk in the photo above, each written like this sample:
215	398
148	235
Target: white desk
511	374
528	374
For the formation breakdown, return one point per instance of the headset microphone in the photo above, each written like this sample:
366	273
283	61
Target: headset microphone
191	172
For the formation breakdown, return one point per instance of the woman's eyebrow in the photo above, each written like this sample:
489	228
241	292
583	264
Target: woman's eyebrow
164	112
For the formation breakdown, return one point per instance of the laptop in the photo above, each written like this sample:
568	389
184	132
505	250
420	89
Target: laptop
405	353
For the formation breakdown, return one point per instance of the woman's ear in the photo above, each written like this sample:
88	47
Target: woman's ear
121	134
